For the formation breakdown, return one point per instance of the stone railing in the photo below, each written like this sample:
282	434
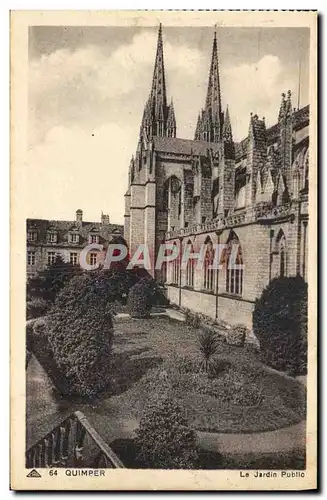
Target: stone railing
261	212
209	226
269	212
73	443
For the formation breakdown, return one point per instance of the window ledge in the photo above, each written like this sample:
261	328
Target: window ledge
235	297
231	295
208	292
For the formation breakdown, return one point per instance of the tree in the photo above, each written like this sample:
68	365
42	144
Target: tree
164	439
48	283
280	324
81	331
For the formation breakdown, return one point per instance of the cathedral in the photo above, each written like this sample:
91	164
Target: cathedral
213	190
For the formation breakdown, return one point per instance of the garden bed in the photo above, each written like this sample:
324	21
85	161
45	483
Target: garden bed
245	397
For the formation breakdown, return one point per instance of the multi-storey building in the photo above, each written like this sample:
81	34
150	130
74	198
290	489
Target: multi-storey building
46	239
213	190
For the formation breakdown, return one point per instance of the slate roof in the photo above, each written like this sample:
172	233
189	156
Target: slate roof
174	145
182	146
63	228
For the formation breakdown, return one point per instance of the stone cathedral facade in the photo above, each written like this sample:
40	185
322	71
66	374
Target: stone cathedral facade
213	190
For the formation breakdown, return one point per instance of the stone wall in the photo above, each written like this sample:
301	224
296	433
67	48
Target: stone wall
232	311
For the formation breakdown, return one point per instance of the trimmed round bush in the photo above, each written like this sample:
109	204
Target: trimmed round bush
236	335
164	439
280	324
81	332
139	299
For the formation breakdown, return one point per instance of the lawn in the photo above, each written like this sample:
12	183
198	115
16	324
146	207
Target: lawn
154	355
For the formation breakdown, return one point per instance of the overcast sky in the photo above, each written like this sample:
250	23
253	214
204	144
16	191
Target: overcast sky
88	86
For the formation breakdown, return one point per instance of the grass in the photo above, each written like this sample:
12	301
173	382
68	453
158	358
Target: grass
245	397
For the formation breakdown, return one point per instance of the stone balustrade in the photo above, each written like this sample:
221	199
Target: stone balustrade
73	443
260	212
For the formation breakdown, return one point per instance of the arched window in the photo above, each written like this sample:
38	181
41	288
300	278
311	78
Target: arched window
296	184
176	268
281	242
190	267
282	256
306	172
164	272
208	278
280	266
234	265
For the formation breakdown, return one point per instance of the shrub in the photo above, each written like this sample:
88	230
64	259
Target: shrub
280	324
237	335
219	333
164	439
81	332
207	343
36	334
192	319
48	283
36	307
139	299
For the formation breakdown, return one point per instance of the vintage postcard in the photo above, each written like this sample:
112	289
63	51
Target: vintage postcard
163	250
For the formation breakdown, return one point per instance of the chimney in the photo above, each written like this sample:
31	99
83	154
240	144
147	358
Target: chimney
79	215
105	220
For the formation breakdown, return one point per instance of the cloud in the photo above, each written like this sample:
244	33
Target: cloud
86	84
255	88
74	94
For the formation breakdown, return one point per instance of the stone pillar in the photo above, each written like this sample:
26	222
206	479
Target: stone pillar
150	222
136	217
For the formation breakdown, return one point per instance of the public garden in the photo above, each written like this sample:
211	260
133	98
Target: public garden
166	388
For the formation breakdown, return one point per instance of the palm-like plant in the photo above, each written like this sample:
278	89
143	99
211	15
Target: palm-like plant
208	345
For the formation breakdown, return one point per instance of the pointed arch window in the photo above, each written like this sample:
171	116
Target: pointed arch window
208	278
281	255
176	265
190	268
296	184
234	266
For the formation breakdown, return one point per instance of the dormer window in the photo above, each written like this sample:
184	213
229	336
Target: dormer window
74	237
94	235
52	237
94	238
32	236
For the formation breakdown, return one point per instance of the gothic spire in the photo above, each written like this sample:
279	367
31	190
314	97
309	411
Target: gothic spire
156	110
227	128
171	121
282	107
158	89
288	106
212	117
213	99
197	136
